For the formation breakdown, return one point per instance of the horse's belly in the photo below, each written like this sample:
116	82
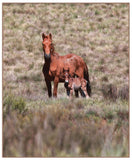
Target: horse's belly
76	87
52	76
61	80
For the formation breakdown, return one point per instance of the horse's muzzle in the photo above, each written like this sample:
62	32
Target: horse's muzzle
47	56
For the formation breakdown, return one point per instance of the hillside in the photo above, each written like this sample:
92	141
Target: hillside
36	126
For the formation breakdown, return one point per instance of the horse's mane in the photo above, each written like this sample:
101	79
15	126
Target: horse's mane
54	53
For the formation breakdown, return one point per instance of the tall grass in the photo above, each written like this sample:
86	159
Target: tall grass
66	129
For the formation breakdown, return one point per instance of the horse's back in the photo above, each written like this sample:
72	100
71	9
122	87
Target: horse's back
73	60
74	56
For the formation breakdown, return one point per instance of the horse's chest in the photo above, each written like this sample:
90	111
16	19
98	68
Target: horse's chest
49	71
52	71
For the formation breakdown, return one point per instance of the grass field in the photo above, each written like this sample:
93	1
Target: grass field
36	126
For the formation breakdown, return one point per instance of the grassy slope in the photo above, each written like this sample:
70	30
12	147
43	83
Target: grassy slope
96	32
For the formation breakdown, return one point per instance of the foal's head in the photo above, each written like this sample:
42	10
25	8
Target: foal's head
47	44
66	74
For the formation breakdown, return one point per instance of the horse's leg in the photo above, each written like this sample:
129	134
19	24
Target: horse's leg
71	93
85	91
76	93
48	84
67	89
68	92
56	81
82	92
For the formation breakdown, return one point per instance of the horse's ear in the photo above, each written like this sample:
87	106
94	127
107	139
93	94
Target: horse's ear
50	35
43	36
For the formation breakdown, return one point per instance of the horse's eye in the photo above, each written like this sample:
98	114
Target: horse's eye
43	45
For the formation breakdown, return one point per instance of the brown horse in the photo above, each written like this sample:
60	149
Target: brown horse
54	64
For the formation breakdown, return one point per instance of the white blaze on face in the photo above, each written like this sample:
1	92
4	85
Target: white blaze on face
66	80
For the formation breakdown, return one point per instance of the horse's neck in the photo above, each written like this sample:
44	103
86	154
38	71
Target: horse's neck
48	61
56	54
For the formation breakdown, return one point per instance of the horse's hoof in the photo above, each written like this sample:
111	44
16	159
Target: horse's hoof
55	96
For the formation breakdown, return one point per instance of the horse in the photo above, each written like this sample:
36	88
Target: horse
75	84
54	64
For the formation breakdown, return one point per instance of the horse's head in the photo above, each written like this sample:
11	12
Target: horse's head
66	74
48	47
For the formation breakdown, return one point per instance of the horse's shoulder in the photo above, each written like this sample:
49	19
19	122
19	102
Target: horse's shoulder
53	67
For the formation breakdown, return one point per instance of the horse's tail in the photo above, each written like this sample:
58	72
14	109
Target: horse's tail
86	76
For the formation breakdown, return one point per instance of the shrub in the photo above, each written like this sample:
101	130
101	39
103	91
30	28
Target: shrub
10	61
36	76
105	79
13	103
109	115
30	66
124	92
109	92
91	112
124	115
97	12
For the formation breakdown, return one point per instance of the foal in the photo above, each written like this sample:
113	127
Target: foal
75	84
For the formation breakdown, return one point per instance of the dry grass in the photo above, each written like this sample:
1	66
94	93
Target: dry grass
99	33
62	128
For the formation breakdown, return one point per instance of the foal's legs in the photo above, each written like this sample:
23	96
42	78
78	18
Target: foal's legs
83	94
76	93
68	92
67	89
71	93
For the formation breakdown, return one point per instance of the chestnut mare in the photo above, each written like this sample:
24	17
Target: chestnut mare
54	64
